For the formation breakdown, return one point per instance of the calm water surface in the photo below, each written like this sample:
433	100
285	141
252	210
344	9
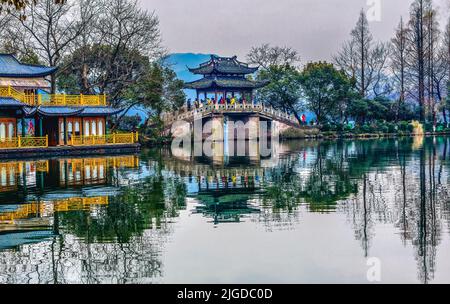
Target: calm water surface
314	213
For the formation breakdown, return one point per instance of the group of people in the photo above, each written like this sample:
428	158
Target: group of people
198	104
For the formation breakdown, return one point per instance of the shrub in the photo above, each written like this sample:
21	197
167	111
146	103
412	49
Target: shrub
392	128
428	127
366	128
403	126
384	129
348	128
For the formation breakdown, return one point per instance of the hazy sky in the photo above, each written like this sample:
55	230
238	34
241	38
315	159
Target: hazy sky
316	28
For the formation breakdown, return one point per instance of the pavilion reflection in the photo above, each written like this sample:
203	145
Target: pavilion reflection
33	193
19	178
33	222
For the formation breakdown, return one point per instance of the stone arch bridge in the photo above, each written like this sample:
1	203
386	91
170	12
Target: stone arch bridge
224	118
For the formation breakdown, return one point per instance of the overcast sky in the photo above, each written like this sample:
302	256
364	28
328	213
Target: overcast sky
316	28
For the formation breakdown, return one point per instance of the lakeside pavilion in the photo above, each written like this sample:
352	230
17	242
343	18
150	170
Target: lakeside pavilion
31	117
224	77
224	98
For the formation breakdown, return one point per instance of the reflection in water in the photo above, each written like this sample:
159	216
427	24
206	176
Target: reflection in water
118	219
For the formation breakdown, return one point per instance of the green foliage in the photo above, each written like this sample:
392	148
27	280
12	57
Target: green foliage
325	89
129	123
284	89
428	127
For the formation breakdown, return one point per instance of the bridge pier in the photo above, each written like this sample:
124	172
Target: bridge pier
217	128
253	127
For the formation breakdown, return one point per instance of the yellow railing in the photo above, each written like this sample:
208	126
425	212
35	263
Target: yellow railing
65	205
42	142
53	99
24	142
110	139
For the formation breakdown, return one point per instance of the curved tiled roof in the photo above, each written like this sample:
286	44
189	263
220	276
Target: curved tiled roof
100	111
77	111
223	65
59	111
225	83
11	67
10	102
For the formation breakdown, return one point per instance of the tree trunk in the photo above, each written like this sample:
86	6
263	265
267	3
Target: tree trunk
53	84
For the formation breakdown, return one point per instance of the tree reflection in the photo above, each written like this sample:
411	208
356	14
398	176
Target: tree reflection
402	183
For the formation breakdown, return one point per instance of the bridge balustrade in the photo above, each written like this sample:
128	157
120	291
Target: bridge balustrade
226	108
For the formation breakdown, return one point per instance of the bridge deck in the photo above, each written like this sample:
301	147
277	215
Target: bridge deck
238	109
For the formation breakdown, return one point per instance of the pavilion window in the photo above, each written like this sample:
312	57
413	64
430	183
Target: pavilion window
86	128
69	130
94	128
4	177
77	129
2	131
10	130
88	172
11	177
61	131
100	128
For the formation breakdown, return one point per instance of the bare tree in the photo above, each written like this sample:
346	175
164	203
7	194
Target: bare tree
442	78
266	56
377	74
432	51
398	62
114	51
363	39
364	61
50	29
417	53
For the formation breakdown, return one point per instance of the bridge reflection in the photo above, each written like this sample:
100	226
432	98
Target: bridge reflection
229	187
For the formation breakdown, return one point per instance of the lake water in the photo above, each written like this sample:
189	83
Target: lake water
316	212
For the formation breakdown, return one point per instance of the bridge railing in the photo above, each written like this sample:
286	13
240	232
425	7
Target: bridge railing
269	111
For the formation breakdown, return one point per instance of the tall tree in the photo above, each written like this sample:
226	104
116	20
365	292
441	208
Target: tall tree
398	62
417	53
432	52
443	73
363	60
363	39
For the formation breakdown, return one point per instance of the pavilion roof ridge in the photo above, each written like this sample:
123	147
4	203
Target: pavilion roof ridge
223	65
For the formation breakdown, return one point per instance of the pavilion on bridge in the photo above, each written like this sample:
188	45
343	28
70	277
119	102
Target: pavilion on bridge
224	78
